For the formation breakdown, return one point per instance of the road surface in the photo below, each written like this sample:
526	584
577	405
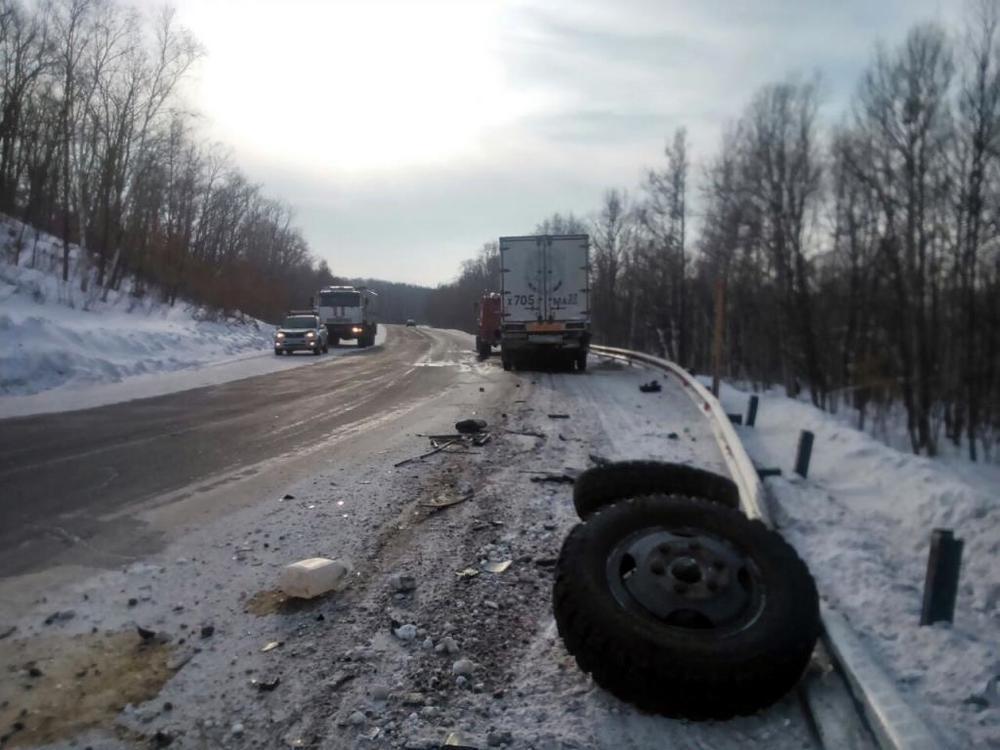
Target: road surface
72	481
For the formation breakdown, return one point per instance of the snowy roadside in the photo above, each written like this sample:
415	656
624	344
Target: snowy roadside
63	349
259	359
241	668
862	520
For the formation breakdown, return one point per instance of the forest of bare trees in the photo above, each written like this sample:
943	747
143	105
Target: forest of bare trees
858	260
97	148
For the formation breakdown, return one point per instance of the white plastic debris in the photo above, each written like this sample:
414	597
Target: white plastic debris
313	577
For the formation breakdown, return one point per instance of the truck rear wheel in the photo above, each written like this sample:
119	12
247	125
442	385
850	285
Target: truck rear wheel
505	360
581	360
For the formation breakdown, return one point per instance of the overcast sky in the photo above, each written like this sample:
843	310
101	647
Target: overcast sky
406	133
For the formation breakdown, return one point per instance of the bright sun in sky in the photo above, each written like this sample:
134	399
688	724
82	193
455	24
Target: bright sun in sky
352	85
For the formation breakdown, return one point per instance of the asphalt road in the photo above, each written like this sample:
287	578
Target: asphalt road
72	483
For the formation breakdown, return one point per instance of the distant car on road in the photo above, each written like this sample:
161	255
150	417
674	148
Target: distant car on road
301	331
410	322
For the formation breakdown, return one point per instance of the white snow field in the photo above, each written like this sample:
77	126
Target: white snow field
863	520
63	349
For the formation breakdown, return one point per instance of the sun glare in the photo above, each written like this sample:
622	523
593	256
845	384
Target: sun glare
353	85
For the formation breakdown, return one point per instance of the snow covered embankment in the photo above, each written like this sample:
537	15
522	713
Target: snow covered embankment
863	521
53	335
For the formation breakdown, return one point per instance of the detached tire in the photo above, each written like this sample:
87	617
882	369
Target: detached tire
685	609
603	485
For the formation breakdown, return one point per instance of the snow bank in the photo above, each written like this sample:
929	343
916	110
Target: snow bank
863	521
62	348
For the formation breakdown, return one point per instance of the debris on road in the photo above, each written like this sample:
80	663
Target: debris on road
653	386
402	583
437	449
467	573
558	416
266	685
405	632
441	502
556	478
470	426
270	646
463	667
498	566
207	631
145	633
307	579
61	616
527	433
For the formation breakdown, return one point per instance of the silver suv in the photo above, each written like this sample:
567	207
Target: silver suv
301	331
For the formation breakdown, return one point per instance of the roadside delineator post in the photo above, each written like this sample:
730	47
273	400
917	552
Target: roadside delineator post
941	584
752	412
804	453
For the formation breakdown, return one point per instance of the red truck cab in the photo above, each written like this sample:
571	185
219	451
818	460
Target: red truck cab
490	314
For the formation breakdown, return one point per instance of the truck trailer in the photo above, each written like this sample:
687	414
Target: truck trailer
545	295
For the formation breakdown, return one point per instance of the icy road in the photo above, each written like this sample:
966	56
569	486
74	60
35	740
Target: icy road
176	513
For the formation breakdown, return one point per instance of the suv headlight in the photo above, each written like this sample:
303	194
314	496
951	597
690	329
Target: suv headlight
310	334
279	336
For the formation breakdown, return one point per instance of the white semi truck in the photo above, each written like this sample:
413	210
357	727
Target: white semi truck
348	313
545	289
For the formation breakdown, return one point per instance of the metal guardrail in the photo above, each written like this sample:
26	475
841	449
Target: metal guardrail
895	724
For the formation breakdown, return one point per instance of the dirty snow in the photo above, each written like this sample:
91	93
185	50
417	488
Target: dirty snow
464	652
62	349
863	520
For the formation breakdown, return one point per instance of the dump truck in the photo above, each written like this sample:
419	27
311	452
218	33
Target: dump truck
489	310
348	313
545	298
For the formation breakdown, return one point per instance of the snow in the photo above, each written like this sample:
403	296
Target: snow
863	520
64	349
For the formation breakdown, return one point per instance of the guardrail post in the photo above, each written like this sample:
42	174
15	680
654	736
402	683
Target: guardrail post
941	584
752	412
804	453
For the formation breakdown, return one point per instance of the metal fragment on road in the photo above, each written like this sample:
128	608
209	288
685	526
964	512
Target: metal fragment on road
270	646
442	501
497	567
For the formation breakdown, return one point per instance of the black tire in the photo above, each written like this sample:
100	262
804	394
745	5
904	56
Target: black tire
505	361
277	352
604	485
317	351
581	361
483	348
686	667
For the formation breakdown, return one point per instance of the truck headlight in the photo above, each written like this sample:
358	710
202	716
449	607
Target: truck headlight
310	334
279	336
356	330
